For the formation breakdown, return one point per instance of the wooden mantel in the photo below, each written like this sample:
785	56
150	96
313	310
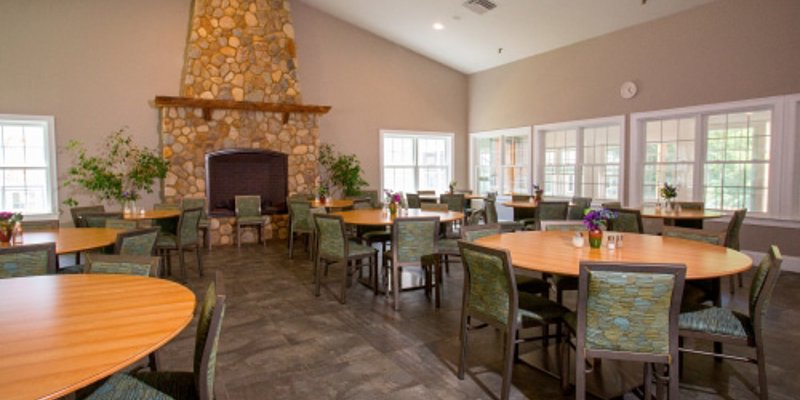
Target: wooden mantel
208	105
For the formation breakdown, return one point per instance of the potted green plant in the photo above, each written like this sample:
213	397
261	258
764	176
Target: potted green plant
119	172
341	170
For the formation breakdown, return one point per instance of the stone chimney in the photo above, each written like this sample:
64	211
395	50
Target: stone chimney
239	90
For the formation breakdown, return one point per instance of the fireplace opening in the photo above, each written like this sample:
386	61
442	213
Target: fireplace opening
237	172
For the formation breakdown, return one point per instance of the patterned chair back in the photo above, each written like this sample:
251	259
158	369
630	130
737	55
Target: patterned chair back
362	204
166	206
209	326
629	308
413	200
195	202
552	210
489	284
520	197
28	260
41	225
463	191
426	192
248	206
491	211
187	226
300	196
434	206
566	226
491	196
122	265
97	219
763	284
138	242
455	202
77	211
116	223
627	220
579	207
691	205
300	214
734	228
697	235
372	196
476	216
471	233
332	237
413	238
613	205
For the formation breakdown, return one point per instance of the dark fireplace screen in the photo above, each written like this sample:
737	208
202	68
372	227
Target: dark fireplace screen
236	172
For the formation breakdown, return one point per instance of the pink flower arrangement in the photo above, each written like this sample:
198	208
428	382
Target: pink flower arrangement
393	197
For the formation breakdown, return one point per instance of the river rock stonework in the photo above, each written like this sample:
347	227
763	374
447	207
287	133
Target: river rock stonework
241	51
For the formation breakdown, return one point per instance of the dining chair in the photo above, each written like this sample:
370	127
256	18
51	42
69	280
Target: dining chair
248	213
454	202
699	290
490	295
724	325
548	211
76	212
626	220
626	311
426	192
122	224
204	224
137	242
413	200
491	217
27	260
732	239
427	206
463	191
300	223
335	248
41	225
197	384
578	208
122	264
372	196
562	283
520	197
612	205
186	239
98	219
167	225
690	206
415	243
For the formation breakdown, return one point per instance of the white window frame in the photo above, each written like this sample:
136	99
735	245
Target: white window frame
417	135
50	154
520	131
579	126
782	182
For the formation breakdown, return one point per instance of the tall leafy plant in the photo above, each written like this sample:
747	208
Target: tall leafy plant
340	170
121	171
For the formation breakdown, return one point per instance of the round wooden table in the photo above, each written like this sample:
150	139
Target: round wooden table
73	240
380	217
152	214
332	203
552	252
652	212
63	332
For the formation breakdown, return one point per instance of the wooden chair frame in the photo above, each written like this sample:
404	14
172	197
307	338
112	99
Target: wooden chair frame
181	247
349	262
52	266
136	232
397	266
154	262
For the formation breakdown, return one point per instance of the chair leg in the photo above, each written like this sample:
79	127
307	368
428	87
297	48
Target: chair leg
182	264
396	287
559	300
343	293
152	361
462	359
564	365
762	372
373	268
199	259
238	236
508	363
317	276
291	243
580	375
674	376
648	381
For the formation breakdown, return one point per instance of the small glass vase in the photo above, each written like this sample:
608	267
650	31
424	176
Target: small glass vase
393	209
6	233
595	239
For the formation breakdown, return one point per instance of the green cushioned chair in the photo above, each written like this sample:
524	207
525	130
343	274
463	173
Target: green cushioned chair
579	207
76	213
300	223
413	200
137	242
455	202
626	311
164	385
28	260
547	211
732	238
414	243
186	239
743	329
627	220
248	213
203	225
491	296
490	208
116	223
122	265
333	247
98	219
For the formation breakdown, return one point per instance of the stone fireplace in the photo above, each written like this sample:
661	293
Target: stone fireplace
234	172
239	93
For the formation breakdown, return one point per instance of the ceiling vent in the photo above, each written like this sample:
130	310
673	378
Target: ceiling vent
480	7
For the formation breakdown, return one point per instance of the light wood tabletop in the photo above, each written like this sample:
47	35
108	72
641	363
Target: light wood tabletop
63	332
521	204
152	214
652	212
381	217
73	240
332	203
553	252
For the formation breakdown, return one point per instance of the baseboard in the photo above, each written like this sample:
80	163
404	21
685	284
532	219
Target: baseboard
790	263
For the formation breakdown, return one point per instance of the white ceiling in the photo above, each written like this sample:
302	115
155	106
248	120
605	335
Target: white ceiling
522	28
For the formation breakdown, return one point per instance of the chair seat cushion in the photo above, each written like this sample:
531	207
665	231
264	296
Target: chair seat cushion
449	247
531	285
149	385
715	320
359	250
249	220
72	269
167	240
540	309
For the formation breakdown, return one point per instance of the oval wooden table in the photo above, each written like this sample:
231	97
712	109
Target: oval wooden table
152	214
63	332
73	240
552	252
332	203
678	217
380	217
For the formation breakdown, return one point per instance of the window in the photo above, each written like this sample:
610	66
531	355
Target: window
728	155
27	165
412	161
581	158
501	161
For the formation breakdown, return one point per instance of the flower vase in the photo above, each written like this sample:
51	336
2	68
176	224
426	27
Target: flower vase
595	239
322	198
669	205
538	195
393	209
6	233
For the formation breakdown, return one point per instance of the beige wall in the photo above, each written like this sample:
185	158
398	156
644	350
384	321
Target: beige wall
96	65
374	84
725	51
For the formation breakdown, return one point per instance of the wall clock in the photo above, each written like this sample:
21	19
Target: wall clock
628	90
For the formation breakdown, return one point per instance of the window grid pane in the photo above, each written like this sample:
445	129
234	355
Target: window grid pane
24	167
669	157
560	158
601	157
502	163
413	162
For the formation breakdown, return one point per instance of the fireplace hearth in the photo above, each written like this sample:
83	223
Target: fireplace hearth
236	172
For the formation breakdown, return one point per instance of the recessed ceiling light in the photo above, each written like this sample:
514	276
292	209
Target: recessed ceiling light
438	26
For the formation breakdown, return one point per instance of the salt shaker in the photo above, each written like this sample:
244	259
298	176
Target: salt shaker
17	233
612	242
577	240
619	240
